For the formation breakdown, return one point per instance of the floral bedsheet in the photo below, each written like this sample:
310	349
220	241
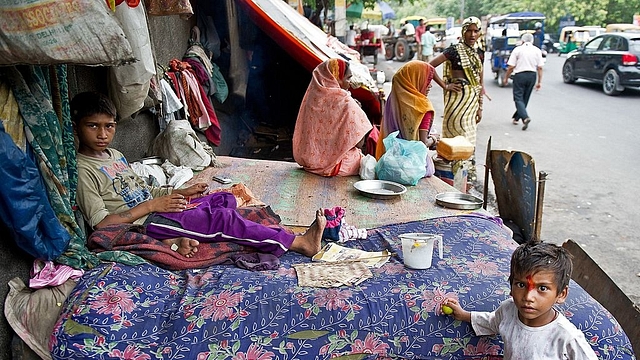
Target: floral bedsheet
223	312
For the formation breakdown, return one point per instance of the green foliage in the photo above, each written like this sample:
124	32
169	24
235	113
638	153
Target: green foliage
594	12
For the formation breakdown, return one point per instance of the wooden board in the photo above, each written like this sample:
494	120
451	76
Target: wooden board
600	286
295	194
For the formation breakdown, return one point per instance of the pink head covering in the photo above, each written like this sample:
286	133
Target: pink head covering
330	124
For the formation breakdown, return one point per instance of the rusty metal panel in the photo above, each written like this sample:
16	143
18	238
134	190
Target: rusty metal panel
514	178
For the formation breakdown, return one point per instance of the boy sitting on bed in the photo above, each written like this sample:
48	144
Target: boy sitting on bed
109	192
529	325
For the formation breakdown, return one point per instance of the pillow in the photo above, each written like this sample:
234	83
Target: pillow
33	314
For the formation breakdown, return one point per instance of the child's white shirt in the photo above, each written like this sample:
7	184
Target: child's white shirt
559	339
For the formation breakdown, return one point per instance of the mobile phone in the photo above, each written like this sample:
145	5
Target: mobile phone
222	180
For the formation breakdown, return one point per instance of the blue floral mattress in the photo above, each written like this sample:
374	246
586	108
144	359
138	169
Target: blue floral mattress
224	312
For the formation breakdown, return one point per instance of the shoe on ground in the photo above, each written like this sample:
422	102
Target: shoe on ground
525	123
514	121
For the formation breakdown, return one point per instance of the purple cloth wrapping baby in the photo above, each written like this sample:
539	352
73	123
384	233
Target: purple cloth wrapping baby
216	219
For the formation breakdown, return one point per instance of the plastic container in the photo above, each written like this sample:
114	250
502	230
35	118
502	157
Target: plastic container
417	249
457	148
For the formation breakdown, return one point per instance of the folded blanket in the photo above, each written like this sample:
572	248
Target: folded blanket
128	244
131	238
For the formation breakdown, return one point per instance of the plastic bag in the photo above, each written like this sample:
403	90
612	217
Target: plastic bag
404	161
178	175
24	204
129	84
368	167
47	32
152	174
180	144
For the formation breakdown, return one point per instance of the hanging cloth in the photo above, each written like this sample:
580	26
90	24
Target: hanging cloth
209	37
52	142
10	115
201	119
188	97
170	103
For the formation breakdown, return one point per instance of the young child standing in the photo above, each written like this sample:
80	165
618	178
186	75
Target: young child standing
109	192
529	325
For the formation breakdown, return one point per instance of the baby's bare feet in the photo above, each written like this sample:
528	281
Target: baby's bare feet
186	247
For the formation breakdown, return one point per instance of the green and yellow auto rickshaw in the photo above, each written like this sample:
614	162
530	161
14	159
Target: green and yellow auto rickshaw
572	38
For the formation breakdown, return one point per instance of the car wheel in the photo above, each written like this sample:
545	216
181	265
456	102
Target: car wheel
611	83
567	73
402	50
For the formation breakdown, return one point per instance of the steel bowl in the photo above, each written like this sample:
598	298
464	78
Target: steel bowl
380	189
456	200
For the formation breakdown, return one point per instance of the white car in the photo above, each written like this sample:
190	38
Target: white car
452	36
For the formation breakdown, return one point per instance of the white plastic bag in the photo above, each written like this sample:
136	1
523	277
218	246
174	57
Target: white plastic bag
368	168
152	174
178	174
180	144
129	84
404	161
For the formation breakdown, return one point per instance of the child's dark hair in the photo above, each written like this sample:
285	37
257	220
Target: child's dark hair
91	103
532	257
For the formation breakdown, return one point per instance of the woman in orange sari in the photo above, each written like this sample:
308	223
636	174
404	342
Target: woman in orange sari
408	108
331	126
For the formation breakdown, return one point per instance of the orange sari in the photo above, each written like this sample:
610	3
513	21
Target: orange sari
330	124
407	104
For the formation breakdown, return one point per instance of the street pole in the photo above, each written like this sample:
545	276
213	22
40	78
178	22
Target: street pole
461	11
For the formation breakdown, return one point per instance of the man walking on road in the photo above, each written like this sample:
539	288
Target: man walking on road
420	29
428	42
524	62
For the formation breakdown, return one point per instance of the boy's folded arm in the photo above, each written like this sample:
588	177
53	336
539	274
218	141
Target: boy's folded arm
127	217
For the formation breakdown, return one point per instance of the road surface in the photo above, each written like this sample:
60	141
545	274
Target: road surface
587	143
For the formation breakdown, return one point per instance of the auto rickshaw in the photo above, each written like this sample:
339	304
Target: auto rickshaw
622	28
438	29
572	38
501	48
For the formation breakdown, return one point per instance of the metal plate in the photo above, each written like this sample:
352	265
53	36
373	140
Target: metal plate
380	189
460	201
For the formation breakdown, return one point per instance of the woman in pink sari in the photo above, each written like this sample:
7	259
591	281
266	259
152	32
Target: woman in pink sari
331	126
